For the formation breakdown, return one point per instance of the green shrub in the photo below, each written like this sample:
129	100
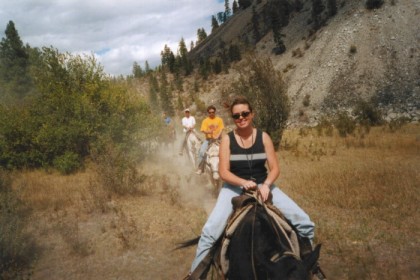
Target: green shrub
306	100
325	126
76	107
344	124
67	163
396	124
366	114
117	170
374	4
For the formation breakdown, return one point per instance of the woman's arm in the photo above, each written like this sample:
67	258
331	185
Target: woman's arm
273	166
224	167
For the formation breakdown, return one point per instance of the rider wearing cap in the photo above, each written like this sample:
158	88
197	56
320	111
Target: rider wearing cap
188	124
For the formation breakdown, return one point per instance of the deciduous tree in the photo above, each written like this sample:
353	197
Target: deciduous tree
266	90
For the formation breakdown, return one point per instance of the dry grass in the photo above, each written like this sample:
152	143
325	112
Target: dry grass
362	191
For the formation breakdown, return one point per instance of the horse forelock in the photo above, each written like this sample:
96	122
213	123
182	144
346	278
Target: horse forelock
213	150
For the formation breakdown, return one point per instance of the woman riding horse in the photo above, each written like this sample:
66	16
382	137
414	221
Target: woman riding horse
243	155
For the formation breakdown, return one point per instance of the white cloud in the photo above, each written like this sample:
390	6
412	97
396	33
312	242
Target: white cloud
119	32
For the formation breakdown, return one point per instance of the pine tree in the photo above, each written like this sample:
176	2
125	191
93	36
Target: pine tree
166	94
147	69
298	5
227	10
14	64
221	17
204	68
217	66
317	8
183	54
168	58
255	25
214	24
235	7
153	91
332	7
234	53
201	35
137	71
243	4
279	11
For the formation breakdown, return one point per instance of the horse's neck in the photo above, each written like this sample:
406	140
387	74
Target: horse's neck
193	137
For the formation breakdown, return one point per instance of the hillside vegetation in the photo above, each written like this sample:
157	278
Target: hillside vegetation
357	54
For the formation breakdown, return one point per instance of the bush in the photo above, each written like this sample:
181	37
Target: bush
374	4
325	126
76	107
367	114
396	124
306	100
117	171
67	163
344	124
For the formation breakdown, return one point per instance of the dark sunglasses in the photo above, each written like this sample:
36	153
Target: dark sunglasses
211	112
243	114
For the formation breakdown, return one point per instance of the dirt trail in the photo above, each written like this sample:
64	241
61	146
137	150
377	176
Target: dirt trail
132	237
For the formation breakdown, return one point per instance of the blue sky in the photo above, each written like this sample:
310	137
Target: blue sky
118	32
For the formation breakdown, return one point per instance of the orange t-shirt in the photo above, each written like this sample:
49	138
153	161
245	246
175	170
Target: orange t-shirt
216	125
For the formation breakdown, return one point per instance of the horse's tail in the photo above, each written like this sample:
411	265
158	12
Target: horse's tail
187	243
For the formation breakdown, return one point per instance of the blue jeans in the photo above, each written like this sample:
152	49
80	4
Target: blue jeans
201	153
203	149
217	220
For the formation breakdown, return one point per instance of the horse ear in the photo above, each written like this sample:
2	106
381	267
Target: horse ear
312	259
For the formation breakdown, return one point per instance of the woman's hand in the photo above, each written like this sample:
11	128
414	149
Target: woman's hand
264	192
249	185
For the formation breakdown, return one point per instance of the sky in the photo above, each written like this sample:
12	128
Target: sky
117	32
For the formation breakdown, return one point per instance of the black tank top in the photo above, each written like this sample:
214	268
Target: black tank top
247	163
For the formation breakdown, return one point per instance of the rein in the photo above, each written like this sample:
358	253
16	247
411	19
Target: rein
252	245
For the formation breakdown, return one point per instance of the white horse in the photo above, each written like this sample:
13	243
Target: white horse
212	166
192	146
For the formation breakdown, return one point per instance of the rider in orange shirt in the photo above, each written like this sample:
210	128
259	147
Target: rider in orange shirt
212	127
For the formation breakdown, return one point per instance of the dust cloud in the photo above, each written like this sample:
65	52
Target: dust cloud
194	190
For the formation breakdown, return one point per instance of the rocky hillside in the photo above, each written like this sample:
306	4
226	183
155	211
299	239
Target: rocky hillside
371	55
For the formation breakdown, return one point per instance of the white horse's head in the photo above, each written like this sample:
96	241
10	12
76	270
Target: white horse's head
213	160
193	146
